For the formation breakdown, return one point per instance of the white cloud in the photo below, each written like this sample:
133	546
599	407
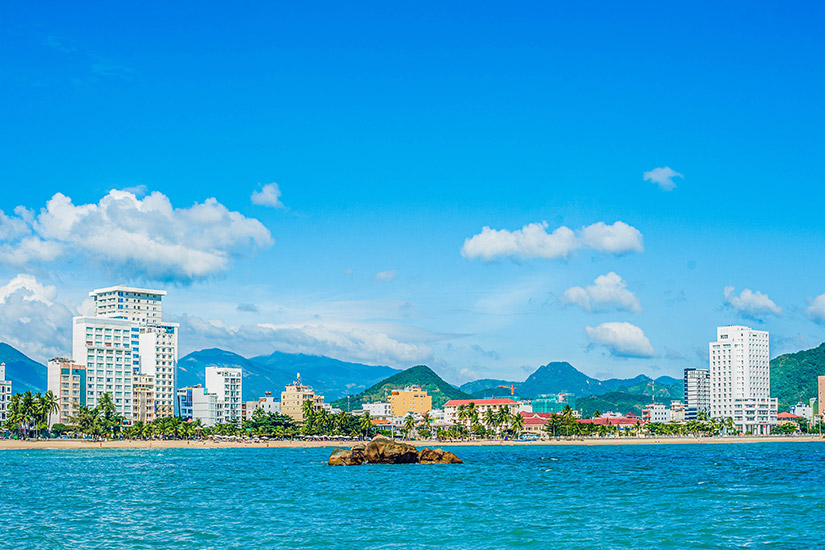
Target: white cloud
663	177
29	288
533	241
606	293
751	304
386	276
816	311
269	195
31	320
144	238
621	339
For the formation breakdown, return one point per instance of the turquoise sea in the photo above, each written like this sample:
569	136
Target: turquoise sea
642	496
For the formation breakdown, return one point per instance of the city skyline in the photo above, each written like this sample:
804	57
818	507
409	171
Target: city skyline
458	195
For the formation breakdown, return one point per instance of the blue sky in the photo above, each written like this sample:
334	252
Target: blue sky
395	134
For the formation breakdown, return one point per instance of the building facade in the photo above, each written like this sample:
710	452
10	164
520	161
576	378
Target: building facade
196	403
144	403
127	338
379	408
697	393
293	398
5	394
412	399
740	383
267	403
656	412
820	397
104	347
67	381
553	403
226	384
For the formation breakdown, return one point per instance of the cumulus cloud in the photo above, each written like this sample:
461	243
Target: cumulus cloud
31	320
386	276
750	303
146	238
340	341
621	339
608	292
663	177
248	308
816	309
533	241
269	195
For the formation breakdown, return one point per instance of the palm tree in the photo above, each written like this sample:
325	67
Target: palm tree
462	412
490	418
409	425
308	411
48	405
517	424
365	424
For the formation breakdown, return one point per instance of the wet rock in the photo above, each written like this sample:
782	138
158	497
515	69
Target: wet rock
437	456
346	457
383	450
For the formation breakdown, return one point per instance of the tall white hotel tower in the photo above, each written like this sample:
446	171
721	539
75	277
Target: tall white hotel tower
740	379
128	352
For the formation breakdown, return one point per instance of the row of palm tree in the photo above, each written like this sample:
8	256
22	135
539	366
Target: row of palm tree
28	413
491	423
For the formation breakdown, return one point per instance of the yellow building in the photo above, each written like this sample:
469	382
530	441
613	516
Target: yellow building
144	407
67	381
293	398
412	399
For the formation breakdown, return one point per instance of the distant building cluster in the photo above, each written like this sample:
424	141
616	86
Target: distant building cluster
126	349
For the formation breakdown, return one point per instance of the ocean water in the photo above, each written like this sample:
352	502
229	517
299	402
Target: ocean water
641	496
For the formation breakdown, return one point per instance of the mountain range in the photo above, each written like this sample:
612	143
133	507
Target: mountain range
558	377
793	378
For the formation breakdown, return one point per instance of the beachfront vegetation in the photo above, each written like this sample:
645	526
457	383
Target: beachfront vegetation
28	413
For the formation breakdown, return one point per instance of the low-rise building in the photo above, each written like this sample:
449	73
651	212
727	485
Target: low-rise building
379	408
412	399
755	416
5	394
656	412
196	403
294	396
677	411
267	403
451	408
67	381
803	410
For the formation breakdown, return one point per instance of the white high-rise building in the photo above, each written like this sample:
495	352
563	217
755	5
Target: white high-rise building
740	379
225	383
5	393
697	392
104	347
141	345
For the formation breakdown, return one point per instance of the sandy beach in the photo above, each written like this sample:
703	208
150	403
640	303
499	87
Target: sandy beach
8	444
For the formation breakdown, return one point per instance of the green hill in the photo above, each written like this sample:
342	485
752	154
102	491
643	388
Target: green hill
793	376
420	375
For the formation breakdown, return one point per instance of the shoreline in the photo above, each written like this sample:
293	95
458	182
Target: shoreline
69	444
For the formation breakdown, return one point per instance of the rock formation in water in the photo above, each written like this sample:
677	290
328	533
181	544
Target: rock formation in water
383	450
